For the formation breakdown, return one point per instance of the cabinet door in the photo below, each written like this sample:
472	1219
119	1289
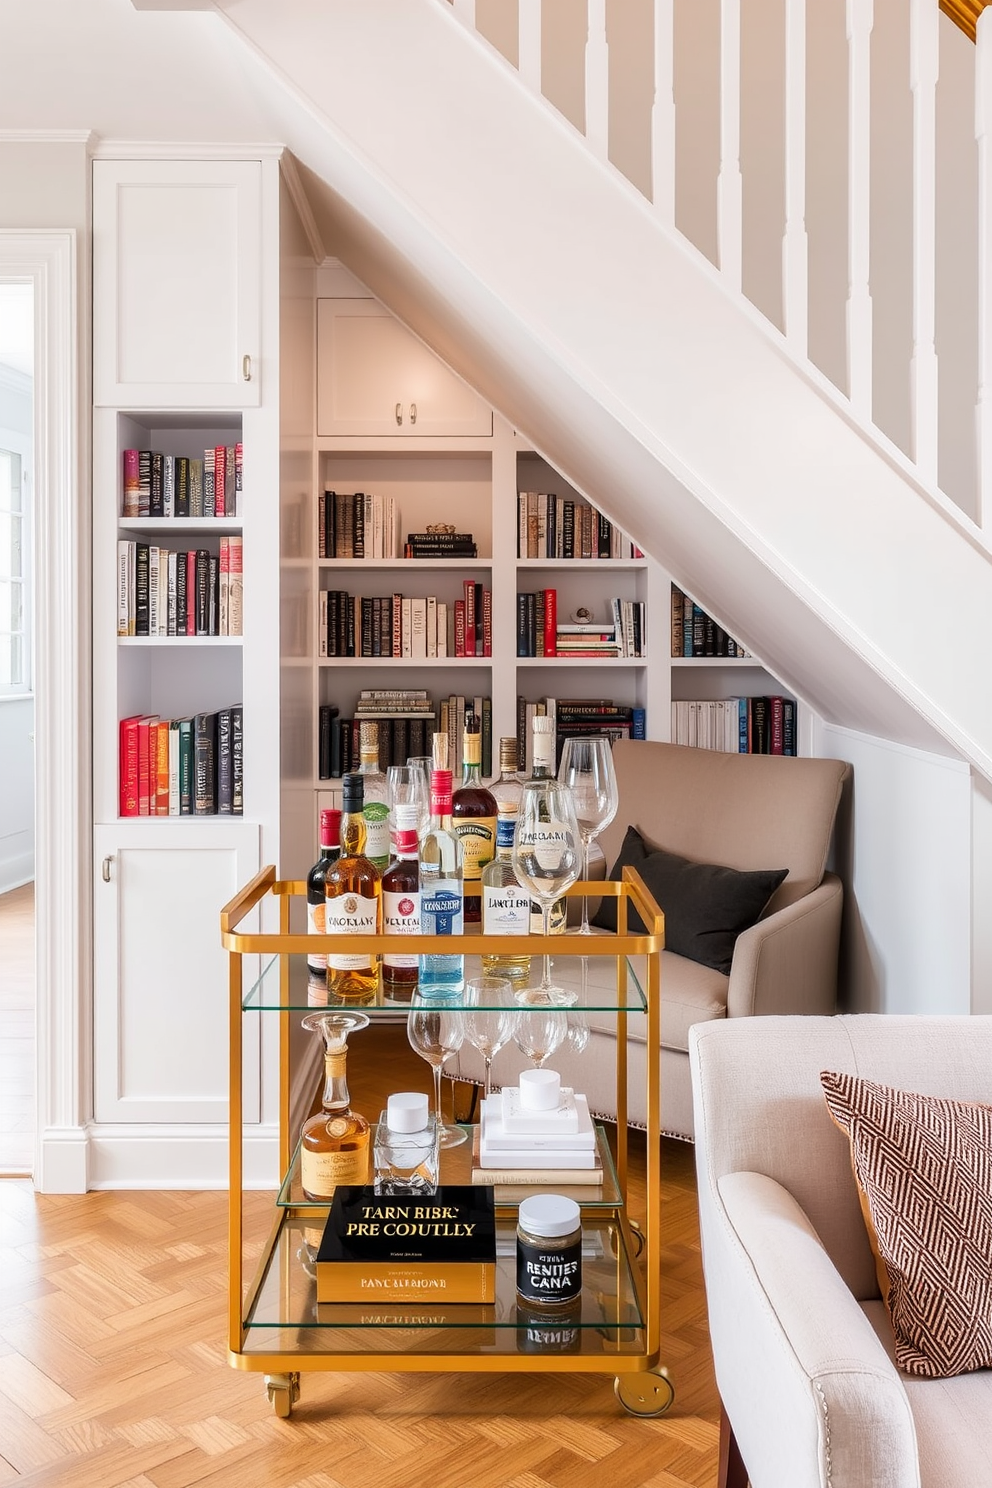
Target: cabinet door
176	283
161	975
375	378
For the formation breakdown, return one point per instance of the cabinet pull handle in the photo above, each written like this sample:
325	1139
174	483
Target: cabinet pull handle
399	413
413	413
106	869
246	368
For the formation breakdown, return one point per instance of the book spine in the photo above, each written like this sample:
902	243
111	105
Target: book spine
204	764
776	726
468	587
460	627
146	756
182	486
549	628
174	767
396	648
220	461
487	622
124	566
191	592
209	486
196	488
213	595
169	486
144	482
129	767
141	593
638	723
225	585
185	767
230	503
131	484
225	776
173	595
201	593
155	493
678	606
161	769
789	727
358	525
239	477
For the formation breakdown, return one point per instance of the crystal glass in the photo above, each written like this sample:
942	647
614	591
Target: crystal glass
423	764
577	1035
408	785
539	1031
546	860
490	1019
587	769
436	1034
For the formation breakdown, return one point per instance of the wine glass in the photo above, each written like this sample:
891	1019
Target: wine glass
577	1034
424	764
407	785
587	769
546	859
436	1033
490	1019
539	1031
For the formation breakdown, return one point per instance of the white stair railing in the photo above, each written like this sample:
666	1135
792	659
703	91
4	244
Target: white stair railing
920	269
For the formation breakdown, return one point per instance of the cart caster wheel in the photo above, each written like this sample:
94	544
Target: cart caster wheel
648	1394
283	1391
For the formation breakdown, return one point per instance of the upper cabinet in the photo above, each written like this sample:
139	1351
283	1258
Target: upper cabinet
375	379
177	283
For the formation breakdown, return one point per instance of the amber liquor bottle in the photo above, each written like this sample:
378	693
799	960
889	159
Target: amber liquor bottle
401	907
335	1144
353	890
330	847
473	820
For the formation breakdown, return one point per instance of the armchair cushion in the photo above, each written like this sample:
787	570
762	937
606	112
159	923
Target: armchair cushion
706	905
923	1166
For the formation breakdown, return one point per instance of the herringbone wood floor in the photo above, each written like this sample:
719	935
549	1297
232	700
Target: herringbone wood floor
113	1368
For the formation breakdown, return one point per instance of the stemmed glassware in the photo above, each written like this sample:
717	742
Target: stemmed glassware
546	860
539	1031
436	1034
587	769
423	764
408	785
490	1019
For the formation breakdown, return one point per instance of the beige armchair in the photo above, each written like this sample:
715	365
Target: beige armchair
801	1340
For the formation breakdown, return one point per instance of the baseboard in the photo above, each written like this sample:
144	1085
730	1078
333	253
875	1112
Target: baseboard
16	872
63	1161
178	1157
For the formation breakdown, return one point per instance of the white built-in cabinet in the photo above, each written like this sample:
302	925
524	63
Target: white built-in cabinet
181	312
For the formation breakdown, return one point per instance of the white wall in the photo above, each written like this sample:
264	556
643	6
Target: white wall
16	714
903	849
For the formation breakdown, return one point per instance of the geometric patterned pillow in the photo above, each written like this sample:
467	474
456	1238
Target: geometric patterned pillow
924	1172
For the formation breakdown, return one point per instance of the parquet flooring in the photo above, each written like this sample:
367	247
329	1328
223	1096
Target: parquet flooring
114	1373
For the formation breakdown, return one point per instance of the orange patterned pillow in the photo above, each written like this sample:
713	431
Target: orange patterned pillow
924	1171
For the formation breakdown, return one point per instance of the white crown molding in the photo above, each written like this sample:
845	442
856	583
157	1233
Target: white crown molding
112	149
301	202
45	136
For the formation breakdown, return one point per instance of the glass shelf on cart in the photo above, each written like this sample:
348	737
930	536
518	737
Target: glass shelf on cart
286	1315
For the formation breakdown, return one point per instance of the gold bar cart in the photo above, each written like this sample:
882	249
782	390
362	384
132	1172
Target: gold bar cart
277	1328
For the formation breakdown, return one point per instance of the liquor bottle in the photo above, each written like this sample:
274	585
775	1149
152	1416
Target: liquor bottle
330	846
376	808
353	889
543	735
505	905
507	787
401	906
335	1143
473	818
441	910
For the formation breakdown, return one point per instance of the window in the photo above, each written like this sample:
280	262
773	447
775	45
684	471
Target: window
15	674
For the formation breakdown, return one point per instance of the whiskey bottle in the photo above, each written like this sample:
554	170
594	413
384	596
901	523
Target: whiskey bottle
353	891
401	906
376	796
543	736
334	1144
473	820
505	905
330	847
441	911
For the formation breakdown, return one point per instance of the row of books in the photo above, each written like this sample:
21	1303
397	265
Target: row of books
158	485
573	717
406	730
191	592
557	527
182	766
694	633
398	625
357	524
540	633
737	725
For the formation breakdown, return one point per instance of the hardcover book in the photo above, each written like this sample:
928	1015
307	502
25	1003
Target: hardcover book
387	1248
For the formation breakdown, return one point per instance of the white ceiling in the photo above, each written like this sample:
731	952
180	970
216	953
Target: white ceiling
17	327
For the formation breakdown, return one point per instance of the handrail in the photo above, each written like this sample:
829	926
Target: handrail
964	14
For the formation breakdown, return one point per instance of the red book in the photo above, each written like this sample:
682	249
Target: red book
459	627
469	586
132	484
191	592
235	589
550	644
129	766
161	774
487	622
146	766
220	464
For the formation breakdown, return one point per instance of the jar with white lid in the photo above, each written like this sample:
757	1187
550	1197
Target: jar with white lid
549	1250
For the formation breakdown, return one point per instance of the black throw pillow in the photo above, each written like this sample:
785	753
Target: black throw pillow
706	907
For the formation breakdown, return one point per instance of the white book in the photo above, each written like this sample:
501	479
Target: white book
125	583
172	595
236	586
575	1144
377	531
432	625
392	529
174	767
526	1122
441	627
163	592
418	628
224	585
153	563
406	640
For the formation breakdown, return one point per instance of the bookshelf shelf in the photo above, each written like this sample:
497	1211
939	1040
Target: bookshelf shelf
569	565
718	662
163	642
365	565
579	663
220	525
405	663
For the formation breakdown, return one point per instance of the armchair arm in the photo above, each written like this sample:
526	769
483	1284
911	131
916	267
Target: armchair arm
787	963
811	1394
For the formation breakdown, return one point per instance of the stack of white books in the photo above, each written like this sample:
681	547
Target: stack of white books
540	1129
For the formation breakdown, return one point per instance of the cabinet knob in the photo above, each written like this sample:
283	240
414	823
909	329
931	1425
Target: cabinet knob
246	368
399	413
413	413
106	868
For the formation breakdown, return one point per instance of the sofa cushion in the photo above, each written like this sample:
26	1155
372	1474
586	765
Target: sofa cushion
706	905
923	1166
690	994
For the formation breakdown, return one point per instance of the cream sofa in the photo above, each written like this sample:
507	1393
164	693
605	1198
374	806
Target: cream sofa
801	1340
743	811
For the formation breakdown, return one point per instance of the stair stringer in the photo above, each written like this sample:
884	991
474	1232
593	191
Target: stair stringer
485	223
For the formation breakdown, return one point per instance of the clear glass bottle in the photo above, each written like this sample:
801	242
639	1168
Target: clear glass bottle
543	736
505	905
330	847
405	1151
507	786
441	911
334	1144
401	907
376	792
353	890
473	819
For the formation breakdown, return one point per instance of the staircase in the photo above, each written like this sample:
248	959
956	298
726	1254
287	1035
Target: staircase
747	430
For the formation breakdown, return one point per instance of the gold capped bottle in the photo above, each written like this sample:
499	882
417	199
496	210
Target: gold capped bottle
335	1145
473	820
353	890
